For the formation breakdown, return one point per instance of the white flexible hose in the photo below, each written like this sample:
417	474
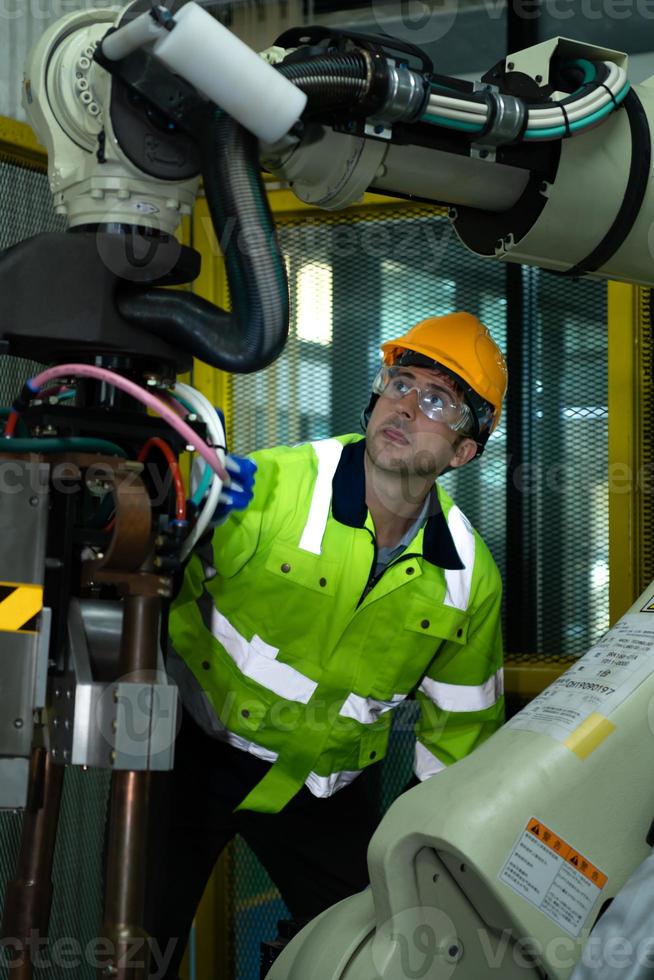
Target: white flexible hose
547	117
206	411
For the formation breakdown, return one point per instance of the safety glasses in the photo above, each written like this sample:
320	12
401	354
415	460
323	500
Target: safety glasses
434	400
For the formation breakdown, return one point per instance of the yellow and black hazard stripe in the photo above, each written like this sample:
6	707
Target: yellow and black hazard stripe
20	605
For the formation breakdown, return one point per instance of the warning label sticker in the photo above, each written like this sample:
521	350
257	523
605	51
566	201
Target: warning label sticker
553	876
20	604
597	684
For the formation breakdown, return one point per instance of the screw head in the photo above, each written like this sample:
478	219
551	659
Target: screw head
34	501
18	722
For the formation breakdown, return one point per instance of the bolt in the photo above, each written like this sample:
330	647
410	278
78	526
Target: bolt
114	725
510	66
34	501
66	755
57	692
112	757
85	768
18	723
539	78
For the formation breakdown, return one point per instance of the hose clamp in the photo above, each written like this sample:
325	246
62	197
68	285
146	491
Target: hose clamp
507	114
405	96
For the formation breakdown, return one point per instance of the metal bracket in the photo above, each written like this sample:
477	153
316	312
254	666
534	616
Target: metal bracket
121	724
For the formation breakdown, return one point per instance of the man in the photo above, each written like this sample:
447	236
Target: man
349	582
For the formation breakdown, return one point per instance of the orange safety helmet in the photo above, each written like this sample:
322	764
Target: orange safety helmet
461	344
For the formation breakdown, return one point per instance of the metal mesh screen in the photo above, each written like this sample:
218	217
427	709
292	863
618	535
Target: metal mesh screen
26	209
538	496
77	878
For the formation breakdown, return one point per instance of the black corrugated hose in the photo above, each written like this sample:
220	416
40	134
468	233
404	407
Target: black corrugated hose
253	335
329	80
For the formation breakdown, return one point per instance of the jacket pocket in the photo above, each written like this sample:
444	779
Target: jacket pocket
441	622
374	742
297	567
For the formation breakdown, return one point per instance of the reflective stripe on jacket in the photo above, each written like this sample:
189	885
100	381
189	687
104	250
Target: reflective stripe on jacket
294	655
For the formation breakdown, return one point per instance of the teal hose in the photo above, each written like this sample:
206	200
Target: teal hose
556	131
203	486
464	127
588	68
78	444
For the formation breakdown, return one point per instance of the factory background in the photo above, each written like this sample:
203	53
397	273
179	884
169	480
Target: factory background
564	498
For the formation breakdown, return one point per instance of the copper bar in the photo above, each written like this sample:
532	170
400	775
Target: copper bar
127	846
28	898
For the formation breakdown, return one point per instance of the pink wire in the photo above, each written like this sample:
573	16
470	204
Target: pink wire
140	394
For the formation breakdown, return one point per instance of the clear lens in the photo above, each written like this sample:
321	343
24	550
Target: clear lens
435	401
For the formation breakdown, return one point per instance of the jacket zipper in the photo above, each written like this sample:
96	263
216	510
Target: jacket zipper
374	579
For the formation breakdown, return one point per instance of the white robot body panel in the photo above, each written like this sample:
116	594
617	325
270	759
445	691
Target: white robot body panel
455	846
67	100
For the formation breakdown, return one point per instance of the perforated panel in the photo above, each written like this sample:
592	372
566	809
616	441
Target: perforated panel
26	210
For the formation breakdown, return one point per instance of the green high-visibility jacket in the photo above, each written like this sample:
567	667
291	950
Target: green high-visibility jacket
290	649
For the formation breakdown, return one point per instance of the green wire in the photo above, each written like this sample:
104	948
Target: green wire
533	134
203	485
588	68
60	445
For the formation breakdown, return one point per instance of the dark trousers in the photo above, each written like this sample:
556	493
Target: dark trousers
314	850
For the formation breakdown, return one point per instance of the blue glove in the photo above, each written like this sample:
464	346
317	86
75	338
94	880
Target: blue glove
238	493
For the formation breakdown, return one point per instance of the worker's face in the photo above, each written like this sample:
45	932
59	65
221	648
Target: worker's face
400	437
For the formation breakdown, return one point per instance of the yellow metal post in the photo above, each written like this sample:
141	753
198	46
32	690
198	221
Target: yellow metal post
624	398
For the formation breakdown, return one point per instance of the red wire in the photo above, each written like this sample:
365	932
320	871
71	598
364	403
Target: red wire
180	492
12	422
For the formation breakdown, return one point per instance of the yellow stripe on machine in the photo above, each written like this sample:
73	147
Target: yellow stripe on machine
20	604
588	735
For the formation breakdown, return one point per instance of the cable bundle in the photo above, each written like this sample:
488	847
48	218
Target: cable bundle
604	88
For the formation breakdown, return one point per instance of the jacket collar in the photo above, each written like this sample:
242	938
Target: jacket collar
349	507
